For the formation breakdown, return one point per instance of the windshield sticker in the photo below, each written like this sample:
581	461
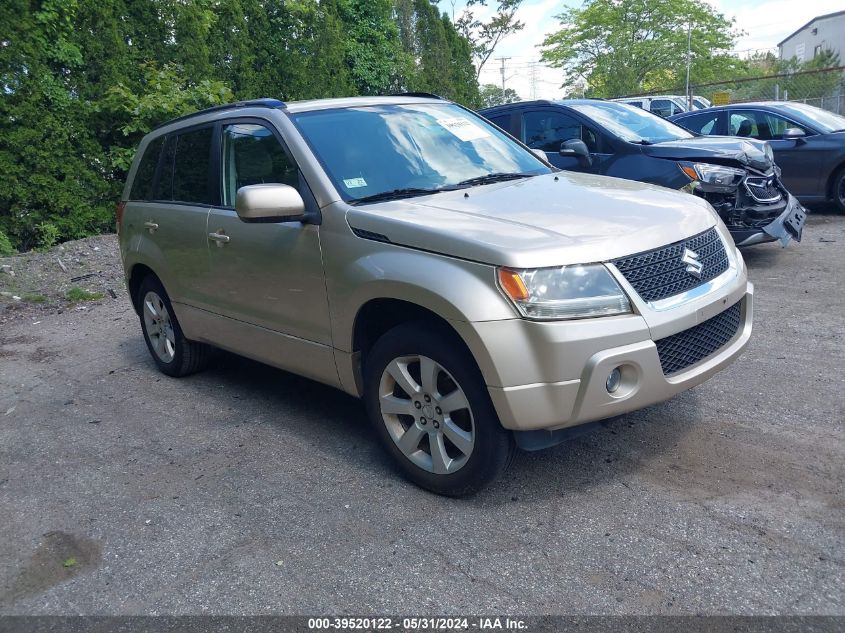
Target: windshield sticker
464	129
352	183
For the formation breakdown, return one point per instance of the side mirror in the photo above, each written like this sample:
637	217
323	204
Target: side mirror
269	203
794	133
577	149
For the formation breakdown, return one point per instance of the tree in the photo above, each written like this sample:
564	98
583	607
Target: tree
492	95
622	47
484	37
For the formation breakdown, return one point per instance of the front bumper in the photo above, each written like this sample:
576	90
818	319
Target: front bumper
552	375
787	226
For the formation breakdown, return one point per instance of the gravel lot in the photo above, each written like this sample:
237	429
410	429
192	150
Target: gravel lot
249	490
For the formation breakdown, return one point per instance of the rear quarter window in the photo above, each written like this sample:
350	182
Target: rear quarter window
142	185
700	123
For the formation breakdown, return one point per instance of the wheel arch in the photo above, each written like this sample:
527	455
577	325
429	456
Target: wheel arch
831	180
136	277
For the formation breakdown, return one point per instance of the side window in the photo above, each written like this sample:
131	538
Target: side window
502	121
191	163
144	175
662	107
778	125
547	130
164	183
252	155
701	123
743	124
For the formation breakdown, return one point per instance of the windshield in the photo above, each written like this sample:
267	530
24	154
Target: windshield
823	120
411	149
631	124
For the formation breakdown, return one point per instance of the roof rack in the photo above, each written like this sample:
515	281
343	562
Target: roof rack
253	103
416	94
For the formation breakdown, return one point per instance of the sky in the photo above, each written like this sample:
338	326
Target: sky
765	23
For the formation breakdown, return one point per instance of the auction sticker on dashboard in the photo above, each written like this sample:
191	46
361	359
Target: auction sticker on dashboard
464	129
352	183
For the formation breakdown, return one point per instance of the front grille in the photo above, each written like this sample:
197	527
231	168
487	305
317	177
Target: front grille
679	351
763	188
660	273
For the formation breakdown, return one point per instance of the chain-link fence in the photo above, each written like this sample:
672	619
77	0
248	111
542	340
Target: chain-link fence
824	88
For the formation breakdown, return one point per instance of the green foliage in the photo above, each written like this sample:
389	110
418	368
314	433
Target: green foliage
84	80
33	298
48	235
6	247
485	36
492	95
622	47
75	295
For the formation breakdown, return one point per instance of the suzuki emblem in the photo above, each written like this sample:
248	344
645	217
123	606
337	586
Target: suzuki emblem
694	265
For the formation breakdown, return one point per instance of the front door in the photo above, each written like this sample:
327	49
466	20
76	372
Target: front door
267	274
548	129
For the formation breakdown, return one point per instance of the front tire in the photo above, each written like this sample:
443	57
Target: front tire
429	406
174	354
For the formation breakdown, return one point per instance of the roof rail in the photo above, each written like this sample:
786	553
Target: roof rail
417	94
253	103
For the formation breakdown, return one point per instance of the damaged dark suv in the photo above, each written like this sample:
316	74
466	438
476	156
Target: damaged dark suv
738	177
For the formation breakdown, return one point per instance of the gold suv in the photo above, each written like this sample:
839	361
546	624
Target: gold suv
408	252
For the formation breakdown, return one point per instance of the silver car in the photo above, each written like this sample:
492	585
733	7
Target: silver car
406	251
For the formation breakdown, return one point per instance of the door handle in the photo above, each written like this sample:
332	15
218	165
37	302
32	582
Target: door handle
220	238
152	226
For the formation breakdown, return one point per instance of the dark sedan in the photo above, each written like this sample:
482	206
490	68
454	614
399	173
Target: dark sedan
808	142
737	177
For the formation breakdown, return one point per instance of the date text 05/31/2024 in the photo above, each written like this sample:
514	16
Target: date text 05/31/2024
481	624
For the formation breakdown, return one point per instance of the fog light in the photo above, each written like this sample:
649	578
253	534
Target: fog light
613	380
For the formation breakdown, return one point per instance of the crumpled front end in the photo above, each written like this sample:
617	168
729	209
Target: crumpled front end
758	209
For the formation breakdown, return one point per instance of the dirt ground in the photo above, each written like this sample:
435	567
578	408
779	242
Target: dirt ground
245	489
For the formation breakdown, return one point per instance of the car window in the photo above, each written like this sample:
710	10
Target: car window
662	107
369	150
546	130
764	126
701	123
144	175
630	123
252	155
184	173
503	121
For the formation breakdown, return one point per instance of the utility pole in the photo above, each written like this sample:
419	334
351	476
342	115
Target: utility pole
503	60
689	61
532	76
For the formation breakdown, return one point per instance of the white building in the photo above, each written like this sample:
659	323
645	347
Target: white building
825	32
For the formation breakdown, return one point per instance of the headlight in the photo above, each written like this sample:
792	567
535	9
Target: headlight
564	292
716	177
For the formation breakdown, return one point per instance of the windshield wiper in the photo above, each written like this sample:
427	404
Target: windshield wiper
490	178
642	141
396	194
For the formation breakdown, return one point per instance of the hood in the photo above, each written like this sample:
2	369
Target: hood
725	150
549	220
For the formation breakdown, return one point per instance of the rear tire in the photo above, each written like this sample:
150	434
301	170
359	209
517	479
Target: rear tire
174	354
430	408
838	190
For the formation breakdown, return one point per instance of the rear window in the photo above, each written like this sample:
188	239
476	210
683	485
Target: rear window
144	175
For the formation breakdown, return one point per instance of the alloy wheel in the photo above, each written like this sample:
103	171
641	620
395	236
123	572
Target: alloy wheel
427	414
159	327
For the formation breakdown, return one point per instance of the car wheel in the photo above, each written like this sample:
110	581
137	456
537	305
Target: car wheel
172	352
429	405
838	190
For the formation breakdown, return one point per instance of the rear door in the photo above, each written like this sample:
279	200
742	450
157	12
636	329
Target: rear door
173	217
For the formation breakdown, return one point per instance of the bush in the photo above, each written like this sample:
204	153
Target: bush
6	247
48	235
